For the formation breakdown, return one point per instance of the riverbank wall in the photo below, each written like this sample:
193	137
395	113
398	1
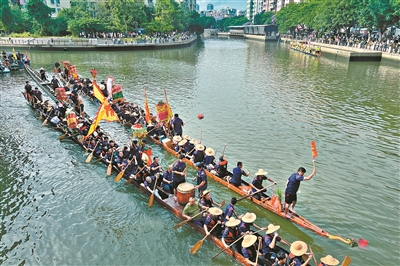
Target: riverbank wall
47	44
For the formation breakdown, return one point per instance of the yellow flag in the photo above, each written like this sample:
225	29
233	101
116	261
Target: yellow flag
168	106
97	92
105	113
14	54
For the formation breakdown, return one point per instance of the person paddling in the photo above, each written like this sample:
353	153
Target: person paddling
297	250
292	186
237	173
328	260
256	185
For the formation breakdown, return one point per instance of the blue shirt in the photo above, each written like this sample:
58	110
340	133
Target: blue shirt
237	175
209	160
267	239
177	123
201	176
228	211
294	183
257	182
167	176
179	166
244	227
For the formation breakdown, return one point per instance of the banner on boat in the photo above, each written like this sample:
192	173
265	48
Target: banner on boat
72	121
162	111
117	93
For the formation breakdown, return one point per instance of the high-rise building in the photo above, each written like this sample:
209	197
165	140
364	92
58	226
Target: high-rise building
210	7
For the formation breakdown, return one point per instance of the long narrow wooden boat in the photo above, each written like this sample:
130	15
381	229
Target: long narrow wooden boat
303	47
170	204
270	204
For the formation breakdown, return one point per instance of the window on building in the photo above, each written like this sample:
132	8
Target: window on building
52	2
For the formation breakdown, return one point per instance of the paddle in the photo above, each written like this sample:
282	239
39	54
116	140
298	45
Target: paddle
47	118
152	194
258	251
131	179
346	261
66	135
251	194
216	255
98	160
121	174
109	168
199	243
222	203
89	158
201	135
223	151
315	260
314	152
185	221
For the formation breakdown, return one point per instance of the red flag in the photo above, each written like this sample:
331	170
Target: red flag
314	152
146	108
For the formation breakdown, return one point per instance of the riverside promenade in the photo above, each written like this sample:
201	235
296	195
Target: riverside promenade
353	53
66	44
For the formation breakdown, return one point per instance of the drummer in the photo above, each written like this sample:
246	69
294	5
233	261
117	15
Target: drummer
249	249
256	185
206	199
201	178
213	218
179	172
192	209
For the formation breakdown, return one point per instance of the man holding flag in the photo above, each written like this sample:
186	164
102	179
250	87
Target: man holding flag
293	183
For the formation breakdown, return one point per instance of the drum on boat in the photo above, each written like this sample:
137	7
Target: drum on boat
183	192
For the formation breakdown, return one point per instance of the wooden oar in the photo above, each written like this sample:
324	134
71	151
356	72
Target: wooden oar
109	168
152	194
63	136
315	260
121	174
216	255
258	251
251	194
201	135
98	160
346	261
223	151
89	158
47	118
131	179
199	243
185	221
222	203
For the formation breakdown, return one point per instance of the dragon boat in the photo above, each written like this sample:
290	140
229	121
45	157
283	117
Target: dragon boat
271	203
306	48
165	200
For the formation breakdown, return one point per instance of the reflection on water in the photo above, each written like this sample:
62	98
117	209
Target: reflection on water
264	101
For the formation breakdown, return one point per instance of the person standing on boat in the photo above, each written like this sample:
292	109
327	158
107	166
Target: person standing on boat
297	250
230	210
55	83
193	208
179	172
256	185
201	178
237	173
28	89
38	95
177	125
292	186
42	74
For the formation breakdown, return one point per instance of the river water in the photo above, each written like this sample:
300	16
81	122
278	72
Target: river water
263	101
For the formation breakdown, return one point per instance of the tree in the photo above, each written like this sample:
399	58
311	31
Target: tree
263	18
126	15
40	14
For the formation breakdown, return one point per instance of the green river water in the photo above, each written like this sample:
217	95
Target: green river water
264	101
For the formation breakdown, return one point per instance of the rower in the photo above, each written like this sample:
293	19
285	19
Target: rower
213	218
231	233
28	89
181	146
297	250
167	181
281	259
249	249
230	210
209	159
206	199
269	248
191	146
237	173
256	185
221	168
38	95
42	74
155	167
193	208
198	155
328	260
150	183
201	178
247	221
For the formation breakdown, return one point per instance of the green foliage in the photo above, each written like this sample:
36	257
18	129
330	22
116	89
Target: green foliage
234	21
263	18
278	192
